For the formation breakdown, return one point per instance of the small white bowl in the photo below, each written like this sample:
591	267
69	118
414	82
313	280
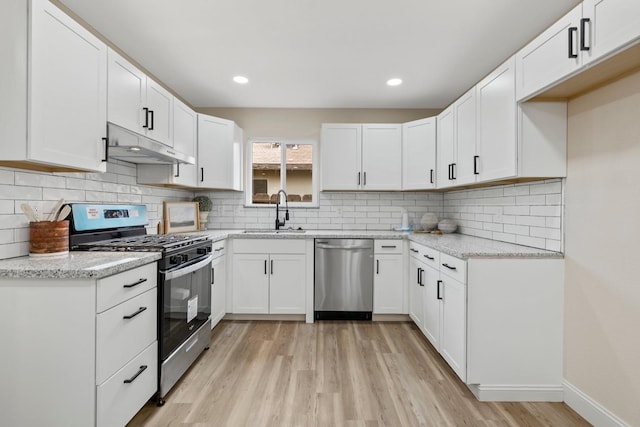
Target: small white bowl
447	226
429	221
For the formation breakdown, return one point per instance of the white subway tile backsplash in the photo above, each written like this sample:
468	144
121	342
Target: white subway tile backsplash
6	176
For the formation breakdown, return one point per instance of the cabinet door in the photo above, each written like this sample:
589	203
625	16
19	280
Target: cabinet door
381	157
160	105
341	146
250	283
611	25
416	308
185	139
419	154
215	152
496	119
453	344
68	91
464	171
550	57
388	285
432	298
218	290
446	143
127	93
287	286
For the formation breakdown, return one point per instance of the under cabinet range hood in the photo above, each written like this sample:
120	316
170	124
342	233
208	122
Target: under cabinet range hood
131	147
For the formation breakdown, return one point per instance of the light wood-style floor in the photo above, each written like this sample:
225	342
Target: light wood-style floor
332	374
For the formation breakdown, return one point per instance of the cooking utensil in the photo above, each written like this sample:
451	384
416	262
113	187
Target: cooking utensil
29	213
64	212
56	209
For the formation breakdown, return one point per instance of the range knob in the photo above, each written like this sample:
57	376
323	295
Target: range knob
175	259
202	251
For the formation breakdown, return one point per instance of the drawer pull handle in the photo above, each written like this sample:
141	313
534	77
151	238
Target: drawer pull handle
388	246
137	374
219	249
428	257
377	266
413	250
438	290
448	266
131	316
135	283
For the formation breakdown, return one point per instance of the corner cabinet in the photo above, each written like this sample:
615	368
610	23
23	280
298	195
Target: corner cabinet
269	276
138	103
419	154
361	156
484	317
219	154
185	140
86	350
54	90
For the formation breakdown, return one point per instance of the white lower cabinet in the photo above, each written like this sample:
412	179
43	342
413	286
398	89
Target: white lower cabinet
218	283
494	321
269	276
389	288
68	346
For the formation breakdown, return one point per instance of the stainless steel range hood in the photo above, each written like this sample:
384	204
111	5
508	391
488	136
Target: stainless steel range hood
131	147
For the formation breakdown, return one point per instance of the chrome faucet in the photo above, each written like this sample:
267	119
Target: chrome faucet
286	214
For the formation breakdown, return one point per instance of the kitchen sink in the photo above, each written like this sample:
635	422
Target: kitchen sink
274	231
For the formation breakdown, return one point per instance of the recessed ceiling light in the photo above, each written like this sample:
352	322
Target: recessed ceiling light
242	80
394	82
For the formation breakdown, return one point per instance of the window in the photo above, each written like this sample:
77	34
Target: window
276	164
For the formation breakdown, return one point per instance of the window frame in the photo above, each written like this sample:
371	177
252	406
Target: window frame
315	182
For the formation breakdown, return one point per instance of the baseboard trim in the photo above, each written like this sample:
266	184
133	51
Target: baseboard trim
271	317
517	393
588	408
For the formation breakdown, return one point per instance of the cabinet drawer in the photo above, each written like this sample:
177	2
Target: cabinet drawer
453	267
118	401
429	256
120	339
414	249
120	287
272	246
388	246
219	249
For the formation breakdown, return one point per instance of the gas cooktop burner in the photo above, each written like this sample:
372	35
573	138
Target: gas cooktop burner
147	242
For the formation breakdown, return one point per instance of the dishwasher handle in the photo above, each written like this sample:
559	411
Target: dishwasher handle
323	246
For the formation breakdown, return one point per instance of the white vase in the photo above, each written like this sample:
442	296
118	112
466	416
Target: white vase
204	216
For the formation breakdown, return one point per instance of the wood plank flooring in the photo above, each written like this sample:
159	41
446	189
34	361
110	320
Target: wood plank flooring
351	374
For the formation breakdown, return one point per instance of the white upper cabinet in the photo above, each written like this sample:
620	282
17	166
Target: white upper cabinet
361	157
185	140
551	56
589	33
609	25
136	102
496	124
219	154
446	152
54	87
419	154
463	169
341	148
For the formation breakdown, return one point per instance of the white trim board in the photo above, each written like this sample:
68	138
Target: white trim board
517	393
589	409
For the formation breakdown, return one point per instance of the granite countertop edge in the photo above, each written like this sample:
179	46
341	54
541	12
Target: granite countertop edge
75	265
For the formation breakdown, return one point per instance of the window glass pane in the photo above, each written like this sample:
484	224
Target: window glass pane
267	160
299	161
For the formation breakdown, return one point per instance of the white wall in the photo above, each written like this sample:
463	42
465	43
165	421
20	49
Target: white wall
602	300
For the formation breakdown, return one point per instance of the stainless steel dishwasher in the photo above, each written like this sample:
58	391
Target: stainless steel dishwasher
343	279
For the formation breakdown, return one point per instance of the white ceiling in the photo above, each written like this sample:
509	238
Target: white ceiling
320	53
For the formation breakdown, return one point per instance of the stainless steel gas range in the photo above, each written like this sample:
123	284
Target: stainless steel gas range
184	279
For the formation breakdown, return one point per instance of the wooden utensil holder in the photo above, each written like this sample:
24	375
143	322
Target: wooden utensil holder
48	238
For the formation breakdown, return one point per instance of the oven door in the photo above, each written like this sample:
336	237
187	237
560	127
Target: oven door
185	302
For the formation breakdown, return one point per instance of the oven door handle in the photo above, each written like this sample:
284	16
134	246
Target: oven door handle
179	272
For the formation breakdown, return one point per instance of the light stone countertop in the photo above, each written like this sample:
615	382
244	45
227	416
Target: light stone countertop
457	245
79	265
75	265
